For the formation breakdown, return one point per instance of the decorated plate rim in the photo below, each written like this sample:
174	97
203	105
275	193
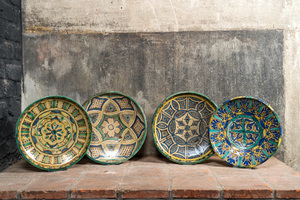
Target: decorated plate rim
265	103
153	126
49	97
145	134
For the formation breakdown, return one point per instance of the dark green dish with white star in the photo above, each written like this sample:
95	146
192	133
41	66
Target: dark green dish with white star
119	127
180	127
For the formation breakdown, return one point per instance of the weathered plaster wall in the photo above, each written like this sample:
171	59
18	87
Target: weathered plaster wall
63	38
149	67
153	15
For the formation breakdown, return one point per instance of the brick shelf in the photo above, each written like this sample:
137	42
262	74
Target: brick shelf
151	177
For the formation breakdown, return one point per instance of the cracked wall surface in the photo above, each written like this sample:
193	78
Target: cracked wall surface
149	67
151	49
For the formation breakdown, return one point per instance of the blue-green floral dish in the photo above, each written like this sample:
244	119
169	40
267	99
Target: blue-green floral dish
245	132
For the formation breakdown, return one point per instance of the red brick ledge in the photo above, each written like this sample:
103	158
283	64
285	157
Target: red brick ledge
137	194
153	194
152	178
176	194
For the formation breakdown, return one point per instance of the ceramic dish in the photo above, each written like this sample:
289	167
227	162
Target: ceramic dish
53	133
119	127
245	132
180	127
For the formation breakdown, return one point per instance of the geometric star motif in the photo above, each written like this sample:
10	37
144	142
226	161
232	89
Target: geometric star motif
186	126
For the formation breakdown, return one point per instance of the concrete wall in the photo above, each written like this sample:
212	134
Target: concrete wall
10	78
292	83
82	47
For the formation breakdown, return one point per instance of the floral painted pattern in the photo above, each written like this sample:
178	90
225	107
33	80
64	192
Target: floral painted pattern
111	127
54	132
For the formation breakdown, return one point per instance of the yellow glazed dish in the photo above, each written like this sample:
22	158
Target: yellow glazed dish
53	133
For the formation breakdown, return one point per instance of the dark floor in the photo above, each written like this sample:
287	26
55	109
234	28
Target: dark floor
151	177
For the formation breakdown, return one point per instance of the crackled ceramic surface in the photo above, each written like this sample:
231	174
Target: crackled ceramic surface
53	133
119	127
245	132
180	127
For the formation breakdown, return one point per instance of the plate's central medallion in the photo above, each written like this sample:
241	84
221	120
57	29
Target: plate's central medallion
244	132
54	131
186	126
111	127
180	127
119	127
